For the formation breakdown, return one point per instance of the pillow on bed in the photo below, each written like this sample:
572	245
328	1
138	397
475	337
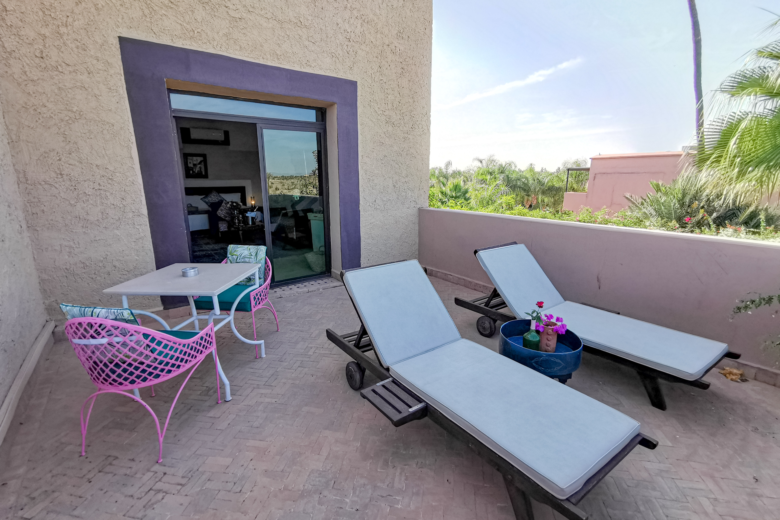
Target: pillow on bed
228	210
212	197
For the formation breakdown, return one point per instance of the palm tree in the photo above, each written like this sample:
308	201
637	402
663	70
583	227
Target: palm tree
742	147
697	68
452	192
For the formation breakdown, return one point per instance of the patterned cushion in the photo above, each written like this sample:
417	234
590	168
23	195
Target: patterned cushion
212	197
77	311
237	254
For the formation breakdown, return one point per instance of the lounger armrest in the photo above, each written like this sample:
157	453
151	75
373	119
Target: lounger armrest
395	402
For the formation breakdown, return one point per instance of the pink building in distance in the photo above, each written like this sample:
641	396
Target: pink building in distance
613	176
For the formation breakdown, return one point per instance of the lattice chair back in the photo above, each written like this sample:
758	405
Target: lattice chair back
259	296
121	356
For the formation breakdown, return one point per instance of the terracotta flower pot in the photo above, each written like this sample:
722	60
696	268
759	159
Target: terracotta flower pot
549	338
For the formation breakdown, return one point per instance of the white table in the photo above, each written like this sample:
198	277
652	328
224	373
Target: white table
209	283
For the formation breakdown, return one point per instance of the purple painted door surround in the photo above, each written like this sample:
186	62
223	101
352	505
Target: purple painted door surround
146	67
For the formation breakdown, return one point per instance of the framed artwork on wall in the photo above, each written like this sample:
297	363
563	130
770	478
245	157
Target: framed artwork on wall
195	166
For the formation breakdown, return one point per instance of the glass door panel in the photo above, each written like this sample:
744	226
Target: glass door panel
295	209
223	186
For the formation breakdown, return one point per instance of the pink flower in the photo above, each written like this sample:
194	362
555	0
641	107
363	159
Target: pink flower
559	319
540	304
538	326
548	317
560	329
687	219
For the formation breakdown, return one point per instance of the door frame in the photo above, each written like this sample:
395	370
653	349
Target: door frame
262	123
148	68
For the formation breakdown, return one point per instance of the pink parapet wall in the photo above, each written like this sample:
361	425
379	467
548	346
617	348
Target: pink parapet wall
614	176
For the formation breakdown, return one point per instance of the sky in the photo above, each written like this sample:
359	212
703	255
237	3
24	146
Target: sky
543	81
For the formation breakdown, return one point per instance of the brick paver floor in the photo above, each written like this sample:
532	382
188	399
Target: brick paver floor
297	443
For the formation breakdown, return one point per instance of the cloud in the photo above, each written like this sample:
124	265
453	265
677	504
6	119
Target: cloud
536	77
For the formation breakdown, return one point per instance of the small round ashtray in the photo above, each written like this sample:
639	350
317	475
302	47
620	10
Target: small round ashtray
189	271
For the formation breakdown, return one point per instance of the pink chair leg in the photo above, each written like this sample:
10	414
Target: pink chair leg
152	390
254	327
85	423
273	311
167	419
216	369
93	397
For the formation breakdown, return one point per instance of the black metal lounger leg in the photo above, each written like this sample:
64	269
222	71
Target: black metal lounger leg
521	503
653	389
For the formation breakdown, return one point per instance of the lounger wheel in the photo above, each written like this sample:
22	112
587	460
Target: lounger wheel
486	326
355	375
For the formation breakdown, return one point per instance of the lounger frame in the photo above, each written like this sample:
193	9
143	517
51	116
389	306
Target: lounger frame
493	306
520	487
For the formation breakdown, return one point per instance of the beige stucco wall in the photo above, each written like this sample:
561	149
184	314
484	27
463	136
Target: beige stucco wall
72	143
21	307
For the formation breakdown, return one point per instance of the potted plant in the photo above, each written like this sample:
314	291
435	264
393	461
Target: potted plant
543	343
544	331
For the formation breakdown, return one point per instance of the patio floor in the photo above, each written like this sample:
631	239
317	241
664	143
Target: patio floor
297	443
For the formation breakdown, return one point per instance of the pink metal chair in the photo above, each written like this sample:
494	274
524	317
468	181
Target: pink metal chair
259	299
120	357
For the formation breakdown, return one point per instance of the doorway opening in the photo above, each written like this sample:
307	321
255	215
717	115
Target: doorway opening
254	174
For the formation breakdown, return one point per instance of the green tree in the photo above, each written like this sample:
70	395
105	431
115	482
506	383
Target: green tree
454	192
690	203
742	147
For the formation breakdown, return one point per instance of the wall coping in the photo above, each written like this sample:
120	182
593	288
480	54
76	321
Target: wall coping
640	154
616	229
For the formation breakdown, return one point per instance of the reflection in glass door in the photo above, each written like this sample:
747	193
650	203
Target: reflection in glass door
295	208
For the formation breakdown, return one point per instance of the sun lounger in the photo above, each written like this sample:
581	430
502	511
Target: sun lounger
550	442
655	352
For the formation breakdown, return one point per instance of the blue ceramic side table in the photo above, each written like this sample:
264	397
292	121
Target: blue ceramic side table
559	365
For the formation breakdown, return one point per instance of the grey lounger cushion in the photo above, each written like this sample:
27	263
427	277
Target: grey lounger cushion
671	351
555	435
400	309
521	283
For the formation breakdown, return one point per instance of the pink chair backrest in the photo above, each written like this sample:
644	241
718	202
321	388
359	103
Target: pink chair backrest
118	355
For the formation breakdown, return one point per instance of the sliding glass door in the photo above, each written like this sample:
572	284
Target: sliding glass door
254	174
295	205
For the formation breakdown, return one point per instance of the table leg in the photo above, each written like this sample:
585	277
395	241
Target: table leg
222	375
194	311
136	393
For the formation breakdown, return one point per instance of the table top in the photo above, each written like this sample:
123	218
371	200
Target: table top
168	281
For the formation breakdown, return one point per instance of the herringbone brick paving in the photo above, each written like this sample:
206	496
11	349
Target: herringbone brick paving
297	443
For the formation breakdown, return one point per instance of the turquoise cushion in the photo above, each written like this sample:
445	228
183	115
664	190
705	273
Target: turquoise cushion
226	299
238	254
181	334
